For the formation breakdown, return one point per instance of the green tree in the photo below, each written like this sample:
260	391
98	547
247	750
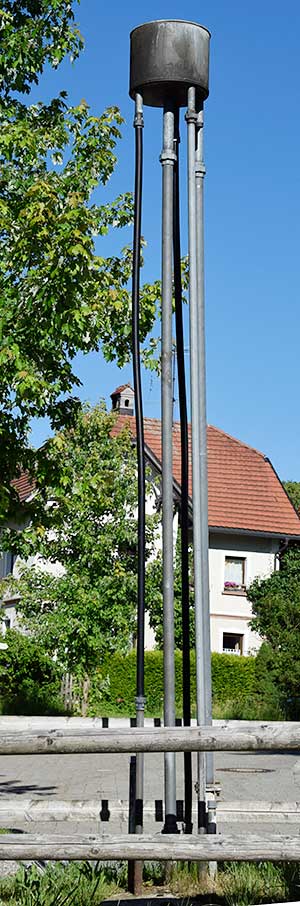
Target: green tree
57	295
276	608
293	490
85	520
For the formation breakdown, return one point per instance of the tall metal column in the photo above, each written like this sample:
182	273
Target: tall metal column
199	178
165	57
167	159
191	118
140	696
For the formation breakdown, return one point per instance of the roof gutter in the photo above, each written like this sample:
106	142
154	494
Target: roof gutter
280	536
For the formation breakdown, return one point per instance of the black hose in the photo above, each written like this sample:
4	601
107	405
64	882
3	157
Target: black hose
186	669
138	125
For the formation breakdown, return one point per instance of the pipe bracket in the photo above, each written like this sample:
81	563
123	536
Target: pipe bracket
191	116
138	119
200	169
168	156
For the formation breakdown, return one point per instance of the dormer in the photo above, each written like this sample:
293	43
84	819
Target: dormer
123	400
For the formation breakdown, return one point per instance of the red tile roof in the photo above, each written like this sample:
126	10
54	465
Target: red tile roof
121	388
23	486
244	491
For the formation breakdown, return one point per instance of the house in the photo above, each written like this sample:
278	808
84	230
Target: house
251	520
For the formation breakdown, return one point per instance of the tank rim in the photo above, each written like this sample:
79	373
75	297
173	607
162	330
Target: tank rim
171	21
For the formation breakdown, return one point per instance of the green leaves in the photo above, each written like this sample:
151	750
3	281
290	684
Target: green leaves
82	604
34	32
276	608
293	490
58	294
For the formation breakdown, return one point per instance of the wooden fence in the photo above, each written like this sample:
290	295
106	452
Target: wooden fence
34	737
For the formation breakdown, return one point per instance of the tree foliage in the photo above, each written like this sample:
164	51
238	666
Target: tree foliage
293	490
84	518
276	608
58	296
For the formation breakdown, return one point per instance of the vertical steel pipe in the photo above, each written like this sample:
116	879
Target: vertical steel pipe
140	699
167	159
199	178
191	118
184	508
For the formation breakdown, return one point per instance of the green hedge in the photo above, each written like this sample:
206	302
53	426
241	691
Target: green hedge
233	678
29	679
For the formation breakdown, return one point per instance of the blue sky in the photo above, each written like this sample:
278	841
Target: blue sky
252	202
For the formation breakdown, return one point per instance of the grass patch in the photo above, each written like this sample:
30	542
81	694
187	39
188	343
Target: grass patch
88	884
236	883
79	883
244	883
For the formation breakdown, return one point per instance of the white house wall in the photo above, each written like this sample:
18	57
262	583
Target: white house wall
231	612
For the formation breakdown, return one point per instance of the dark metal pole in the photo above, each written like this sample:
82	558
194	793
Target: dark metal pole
167	159
184	510
140	698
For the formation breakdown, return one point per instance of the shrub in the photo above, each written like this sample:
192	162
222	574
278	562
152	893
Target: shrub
232	679
29	679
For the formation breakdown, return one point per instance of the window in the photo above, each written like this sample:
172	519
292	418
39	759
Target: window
6	564
234	579
232	643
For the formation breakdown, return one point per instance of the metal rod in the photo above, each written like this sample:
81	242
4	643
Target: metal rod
167	159
184	508
202	454
140	698
138	126
131	817
191	118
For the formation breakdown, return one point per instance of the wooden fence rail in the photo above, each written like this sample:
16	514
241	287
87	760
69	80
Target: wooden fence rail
20	738
265	737
160	847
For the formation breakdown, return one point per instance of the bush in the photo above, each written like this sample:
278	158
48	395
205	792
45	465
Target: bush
29	679
232	679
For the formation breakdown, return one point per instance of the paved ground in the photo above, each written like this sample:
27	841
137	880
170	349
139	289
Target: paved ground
242	776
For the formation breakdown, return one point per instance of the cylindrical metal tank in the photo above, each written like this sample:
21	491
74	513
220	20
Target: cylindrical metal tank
166	58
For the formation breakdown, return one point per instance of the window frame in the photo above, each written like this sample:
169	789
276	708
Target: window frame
7	562
237	652
231	588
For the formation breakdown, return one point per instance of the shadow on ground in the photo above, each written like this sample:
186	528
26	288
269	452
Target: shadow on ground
15	787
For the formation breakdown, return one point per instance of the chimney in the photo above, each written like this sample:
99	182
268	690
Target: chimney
123	400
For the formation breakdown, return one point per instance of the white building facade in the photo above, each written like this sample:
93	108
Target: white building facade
234	562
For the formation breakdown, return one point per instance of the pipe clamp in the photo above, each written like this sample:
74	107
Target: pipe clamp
168	157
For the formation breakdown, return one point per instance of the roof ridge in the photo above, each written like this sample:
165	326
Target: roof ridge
121	387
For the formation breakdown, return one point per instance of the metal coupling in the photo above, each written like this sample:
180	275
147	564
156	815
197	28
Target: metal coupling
140	702
191	116
200	169
138	119
168	156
